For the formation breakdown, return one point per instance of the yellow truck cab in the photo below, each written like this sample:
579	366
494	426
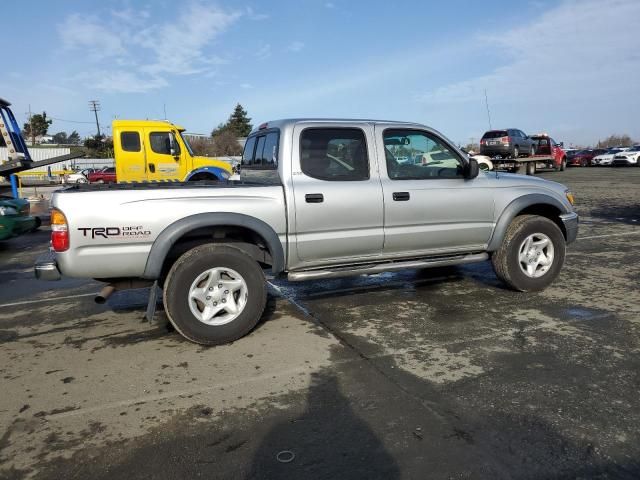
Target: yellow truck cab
153	150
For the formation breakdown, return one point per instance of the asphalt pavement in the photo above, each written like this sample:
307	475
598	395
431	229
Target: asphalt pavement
418	374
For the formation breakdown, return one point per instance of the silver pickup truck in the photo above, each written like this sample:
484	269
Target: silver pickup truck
316	199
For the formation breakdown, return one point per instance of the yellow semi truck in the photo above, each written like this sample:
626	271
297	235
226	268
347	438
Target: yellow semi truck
153	150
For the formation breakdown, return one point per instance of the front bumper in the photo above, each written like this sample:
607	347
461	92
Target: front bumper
13	225
570	221
46	267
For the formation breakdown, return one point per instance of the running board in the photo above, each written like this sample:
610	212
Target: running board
370	269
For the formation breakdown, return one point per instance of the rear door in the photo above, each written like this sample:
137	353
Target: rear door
337	194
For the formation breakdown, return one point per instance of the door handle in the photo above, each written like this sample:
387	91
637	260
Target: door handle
314	198
401	196
152	168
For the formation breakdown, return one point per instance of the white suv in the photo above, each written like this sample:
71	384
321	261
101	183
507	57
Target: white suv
605	159
627	158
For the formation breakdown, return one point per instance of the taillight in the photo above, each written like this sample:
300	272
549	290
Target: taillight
504	139
59	231
482	141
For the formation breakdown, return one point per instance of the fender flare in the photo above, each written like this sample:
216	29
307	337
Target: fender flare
171	234
217	172
515	207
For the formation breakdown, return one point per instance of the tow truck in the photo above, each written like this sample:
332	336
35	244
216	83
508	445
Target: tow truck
18	153
548	154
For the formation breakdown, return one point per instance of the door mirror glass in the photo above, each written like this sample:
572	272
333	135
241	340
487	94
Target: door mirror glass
472	169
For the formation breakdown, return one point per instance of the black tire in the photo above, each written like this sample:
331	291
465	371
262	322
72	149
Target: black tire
563	164
531	168
532	152
516	152
37	225
506	261
186	270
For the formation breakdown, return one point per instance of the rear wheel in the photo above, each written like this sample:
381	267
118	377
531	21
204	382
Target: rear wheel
531	254
531	168
214	294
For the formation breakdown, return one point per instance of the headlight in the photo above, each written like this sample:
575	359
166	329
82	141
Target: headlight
8	211
569	196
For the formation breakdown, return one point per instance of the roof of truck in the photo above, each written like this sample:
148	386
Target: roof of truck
145	123
290	122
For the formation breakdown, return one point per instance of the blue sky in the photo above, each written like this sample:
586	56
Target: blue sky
571	68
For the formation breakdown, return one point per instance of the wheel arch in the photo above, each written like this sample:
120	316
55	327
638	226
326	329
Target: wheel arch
250	234
531	204
216	172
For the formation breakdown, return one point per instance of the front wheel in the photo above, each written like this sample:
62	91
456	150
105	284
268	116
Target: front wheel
563	165
214	294
532	152
531	254
516	152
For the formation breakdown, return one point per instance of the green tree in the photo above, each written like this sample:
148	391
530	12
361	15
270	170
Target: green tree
73	138
37	126
60	138
238	123
99	147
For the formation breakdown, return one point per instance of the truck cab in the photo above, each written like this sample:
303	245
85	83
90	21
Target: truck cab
156	150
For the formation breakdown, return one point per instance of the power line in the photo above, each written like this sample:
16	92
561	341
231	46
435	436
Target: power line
68	121
94	106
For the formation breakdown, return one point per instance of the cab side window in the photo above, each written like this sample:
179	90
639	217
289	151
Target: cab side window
334	154
418	155
130	141
163	142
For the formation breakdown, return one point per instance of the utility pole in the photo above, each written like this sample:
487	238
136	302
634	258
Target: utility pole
94	106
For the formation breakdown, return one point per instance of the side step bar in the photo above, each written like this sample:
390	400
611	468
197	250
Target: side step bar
370	269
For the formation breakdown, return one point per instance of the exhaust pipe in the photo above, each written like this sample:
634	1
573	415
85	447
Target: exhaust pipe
104	294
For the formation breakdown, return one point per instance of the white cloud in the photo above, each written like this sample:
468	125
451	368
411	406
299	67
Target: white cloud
263	52
295	46
577	61
87	34
330	5
252	15
151	52
246	86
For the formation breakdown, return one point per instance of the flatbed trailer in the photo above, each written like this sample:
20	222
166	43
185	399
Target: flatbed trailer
524	165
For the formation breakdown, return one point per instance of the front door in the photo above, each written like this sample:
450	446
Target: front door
337	194
429	207
163	154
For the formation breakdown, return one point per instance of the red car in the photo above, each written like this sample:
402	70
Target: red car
106	175
547	147
582	158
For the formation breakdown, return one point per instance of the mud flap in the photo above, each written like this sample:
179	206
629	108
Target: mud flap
151	305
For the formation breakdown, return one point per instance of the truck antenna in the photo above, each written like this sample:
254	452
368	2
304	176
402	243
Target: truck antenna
486	102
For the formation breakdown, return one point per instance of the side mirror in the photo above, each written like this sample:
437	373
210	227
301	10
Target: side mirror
561	144
173	152
472	169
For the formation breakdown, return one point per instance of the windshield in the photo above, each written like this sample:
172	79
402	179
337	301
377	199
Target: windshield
187	145
614	150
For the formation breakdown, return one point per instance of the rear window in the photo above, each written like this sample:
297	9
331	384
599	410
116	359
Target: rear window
261	151
495	134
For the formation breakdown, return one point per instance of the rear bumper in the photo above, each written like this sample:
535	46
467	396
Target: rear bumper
46	267
493	150
570	221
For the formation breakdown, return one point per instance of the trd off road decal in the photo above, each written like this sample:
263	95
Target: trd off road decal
115	232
